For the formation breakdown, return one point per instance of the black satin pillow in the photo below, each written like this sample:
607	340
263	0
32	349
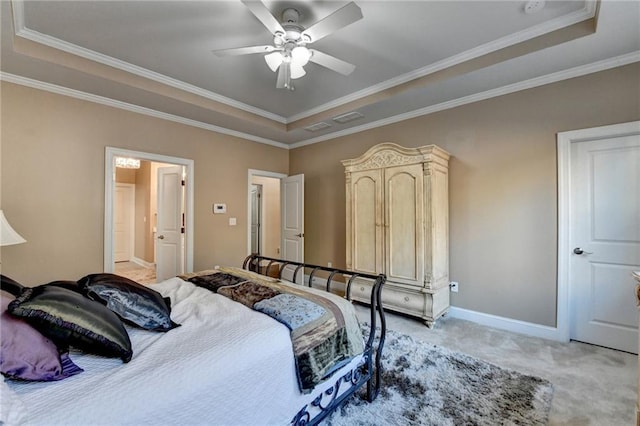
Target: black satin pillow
11	286
134	303
70	319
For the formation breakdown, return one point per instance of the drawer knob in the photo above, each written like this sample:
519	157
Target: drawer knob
406	298
361	288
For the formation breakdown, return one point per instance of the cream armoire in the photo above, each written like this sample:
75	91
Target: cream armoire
397	224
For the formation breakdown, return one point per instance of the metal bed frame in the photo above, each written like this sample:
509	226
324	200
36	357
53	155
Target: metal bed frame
368	372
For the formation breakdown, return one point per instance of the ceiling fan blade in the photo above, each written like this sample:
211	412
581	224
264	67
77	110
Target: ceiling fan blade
264	15
236	51
338	19
331	62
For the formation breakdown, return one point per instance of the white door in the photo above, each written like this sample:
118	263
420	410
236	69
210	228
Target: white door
256	219
292	211
605	241
124	202
169	251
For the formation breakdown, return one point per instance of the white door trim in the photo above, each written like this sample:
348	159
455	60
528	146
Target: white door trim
251	173
109	185
565	139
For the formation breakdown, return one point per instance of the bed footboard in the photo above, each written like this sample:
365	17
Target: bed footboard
369	372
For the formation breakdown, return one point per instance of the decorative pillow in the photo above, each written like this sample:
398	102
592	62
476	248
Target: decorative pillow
69	285
133	302
28	355
69	318
11	286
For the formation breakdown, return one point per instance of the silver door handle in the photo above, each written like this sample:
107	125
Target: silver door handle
161	237
578	250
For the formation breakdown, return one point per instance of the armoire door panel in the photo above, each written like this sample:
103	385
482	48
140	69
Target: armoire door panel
367	222
403	223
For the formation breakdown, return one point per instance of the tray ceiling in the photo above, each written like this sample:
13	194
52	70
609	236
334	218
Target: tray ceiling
411	58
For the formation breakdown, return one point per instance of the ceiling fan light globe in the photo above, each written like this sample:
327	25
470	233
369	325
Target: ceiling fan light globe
300	55
273	60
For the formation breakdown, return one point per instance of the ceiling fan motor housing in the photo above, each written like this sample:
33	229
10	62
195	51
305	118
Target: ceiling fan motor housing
293	30
290	16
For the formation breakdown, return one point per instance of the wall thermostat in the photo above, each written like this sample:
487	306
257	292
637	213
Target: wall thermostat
219	208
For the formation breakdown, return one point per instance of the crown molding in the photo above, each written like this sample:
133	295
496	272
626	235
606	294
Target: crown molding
22	31
603	65
77	94
583	14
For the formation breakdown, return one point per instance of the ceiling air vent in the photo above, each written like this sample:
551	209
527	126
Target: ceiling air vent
345	118
318	126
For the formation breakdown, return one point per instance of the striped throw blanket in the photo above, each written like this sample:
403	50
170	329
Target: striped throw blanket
324	329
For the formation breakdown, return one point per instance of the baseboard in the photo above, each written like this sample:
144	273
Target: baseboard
507	324
143	263
501	323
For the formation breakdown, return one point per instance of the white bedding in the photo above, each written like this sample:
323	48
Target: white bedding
226	365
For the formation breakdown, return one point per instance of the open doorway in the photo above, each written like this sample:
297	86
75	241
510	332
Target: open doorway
275	208
136	219
265	216
148	215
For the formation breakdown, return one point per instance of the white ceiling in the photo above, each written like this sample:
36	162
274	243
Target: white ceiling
411	58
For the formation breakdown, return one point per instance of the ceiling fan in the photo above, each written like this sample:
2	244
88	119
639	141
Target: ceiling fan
289	53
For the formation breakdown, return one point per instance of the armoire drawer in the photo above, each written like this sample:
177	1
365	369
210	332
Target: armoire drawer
394	298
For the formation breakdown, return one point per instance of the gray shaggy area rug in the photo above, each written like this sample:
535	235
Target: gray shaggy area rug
423	384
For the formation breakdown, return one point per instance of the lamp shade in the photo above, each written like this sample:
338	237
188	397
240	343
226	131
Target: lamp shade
273	60
296	70
8	235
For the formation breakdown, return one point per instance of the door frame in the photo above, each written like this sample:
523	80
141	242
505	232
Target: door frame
263	173
109	186
565	141
259	206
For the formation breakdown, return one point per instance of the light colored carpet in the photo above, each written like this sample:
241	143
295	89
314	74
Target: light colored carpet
427	385
592	385
136	272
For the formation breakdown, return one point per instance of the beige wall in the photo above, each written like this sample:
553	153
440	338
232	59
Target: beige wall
126	175
52	182
503	211
502	184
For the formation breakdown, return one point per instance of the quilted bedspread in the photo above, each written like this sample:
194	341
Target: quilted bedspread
322	336
226	365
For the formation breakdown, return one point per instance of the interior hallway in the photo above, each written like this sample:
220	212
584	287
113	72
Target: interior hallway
136	272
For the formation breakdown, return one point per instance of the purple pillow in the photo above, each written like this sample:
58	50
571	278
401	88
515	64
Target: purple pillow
70	319
28	355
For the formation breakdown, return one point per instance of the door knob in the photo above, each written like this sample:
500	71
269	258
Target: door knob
300	235
161	237
578	250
